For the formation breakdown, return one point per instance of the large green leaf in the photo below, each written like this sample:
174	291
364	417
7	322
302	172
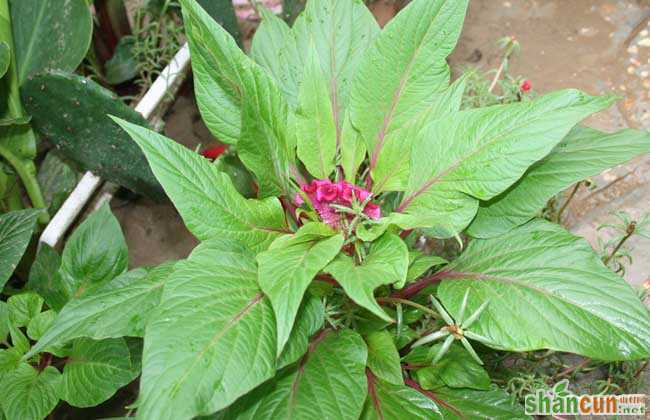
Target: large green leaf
213	337
72	112
340	30
119	308
310	319
265	145
50	34
388	401
456	369
210	205
548	289
353	150
218	66
584	152
95	253
479	153
46	279
328	383
23	307
15	232
5	58
40	323
315	127
289	265
386	263
95	370
405	69
383	358
472	404
391	168
29	394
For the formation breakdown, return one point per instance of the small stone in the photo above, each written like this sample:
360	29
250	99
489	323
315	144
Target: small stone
507	4
644	32
646	84
630	70
622	87
635	62
633	49
644	74
645	42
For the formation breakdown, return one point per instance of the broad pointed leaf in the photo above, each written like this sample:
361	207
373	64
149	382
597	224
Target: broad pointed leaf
584	152
15	232
287	268
472	404
353	150
29	394
481	152
5	57
95	370
213	338
120	308
456	369
328	383
310	318
50	34
206	198
548	289
420	263
217	65
315	127
40	323
383	358
404	69
95	253
386	263
388	401
46	279
23	307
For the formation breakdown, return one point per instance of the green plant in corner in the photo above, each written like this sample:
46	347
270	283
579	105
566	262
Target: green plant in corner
355	138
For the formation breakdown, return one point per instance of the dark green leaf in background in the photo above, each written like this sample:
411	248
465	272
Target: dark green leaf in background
15	232
57	180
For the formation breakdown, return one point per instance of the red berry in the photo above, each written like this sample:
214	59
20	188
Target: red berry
526	86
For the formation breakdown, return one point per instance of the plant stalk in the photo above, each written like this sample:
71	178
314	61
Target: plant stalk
629	232
558	218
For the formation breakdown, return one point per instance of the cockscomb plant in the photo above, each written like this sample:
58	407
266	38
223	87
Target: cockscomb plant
312	299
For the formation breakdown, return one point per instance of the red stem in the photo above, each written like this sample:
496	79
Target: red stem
415	288
410	382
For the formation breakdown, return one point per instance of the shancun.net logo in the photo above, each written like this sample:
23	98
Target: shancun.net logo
560	401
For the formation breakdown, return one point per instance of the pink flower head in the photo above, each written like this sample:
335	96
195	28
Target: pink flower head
323	193
526	86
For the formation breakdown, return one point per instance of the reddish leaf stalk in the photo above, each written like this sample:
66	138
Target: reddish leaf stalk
410	382
416	287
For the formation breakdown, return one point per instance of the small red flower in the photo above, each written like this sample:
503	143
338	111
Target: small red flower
526	86
214	152
326	192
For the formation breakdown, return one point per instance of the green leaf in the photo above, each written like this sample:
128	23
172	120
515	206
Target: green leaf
472	404
388	401
391	167
57	180
328	383
15	232
123	65
5	58
584	152
420	263
405	69
219	69
29	394
46	279
383	358
50	34
310	318
73	112
95	253
386	263
353	150
315	127
40	323
456	369
119	308
94	371
4	321
9	360
19	342
212	338
341	31
289	265
479	153
548	289
24	307
210	205
264	145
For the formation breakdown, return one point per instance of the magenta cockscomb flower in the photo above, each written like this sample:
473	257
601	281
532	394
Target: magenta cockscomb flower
323	193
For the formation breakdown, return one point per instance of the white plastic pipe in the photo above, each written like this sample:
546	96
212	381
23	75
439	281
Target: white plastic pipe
89	183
